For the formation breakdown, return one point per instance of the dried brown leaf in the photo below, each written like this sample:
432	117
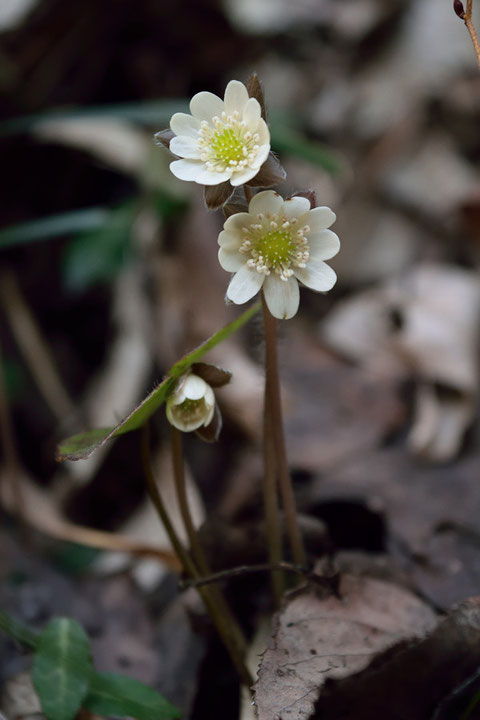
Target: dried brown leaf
320	636
411	679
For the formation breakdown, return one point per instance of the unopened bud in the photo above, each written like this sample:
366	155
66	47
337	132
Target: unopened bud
191	405
459	9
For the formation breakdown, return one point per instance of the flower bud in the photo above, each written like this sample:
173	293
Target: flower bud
191	405
458	8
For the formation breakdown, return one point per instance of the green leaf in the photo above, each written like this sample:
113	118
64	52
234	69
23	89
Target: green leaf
156	113
98	255
62	668
17	630
112	694
73	558
67	223
82	446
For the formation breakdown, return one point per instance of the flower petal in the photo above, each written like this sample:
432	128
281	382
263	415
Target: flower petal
236	97
266	201
229	240
183	124
230	260
264	132
252	113
296	207
243	176
320	218
186	147
317	275
282	297
210	412
323	245
236	222
194	387
205	105
244	285
262	154
195	171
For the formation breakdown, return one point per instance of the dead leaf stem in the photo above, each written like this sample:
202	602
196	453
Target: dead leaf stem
467	17
34	348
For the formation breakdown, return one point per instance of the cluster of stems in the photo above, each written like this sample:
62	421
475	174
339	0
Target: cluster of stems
194	562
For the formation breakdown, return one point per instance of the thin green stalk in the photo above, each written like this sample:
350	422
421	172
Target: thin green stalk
272	386
184	557
188	564
195	547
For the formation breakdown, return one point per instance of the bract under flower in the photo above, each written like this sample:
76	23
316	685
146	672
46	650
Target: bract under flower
221	140
273	246
191	405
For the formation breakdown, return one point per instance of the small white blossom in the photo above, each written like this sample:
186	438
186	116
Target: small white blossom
221	140
191	405
274	245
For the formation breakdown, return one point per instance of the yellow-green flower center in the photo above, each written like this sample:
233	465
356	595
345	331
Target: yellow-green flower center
275	243
227	146
191	410
275	247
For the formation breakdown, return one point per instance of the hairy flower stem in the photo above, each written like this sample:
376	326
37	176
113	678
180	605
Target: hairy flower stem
270	489
273	403
195	546
189	567
270	502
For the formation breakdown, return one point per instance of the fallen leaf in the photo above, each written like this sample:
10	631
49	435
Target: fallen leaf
411	679
422	326
318	635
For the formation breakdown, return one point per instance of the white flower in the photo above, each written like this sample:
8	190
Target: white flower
191	405
274	245
221	140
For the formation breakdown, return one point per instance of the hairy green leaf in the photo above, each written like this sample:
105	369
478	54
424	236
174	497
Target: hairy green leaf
62	668
112	694
82	445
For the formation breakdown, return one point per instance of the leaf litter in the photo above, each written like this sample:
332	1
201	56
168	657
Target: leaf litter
320	635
